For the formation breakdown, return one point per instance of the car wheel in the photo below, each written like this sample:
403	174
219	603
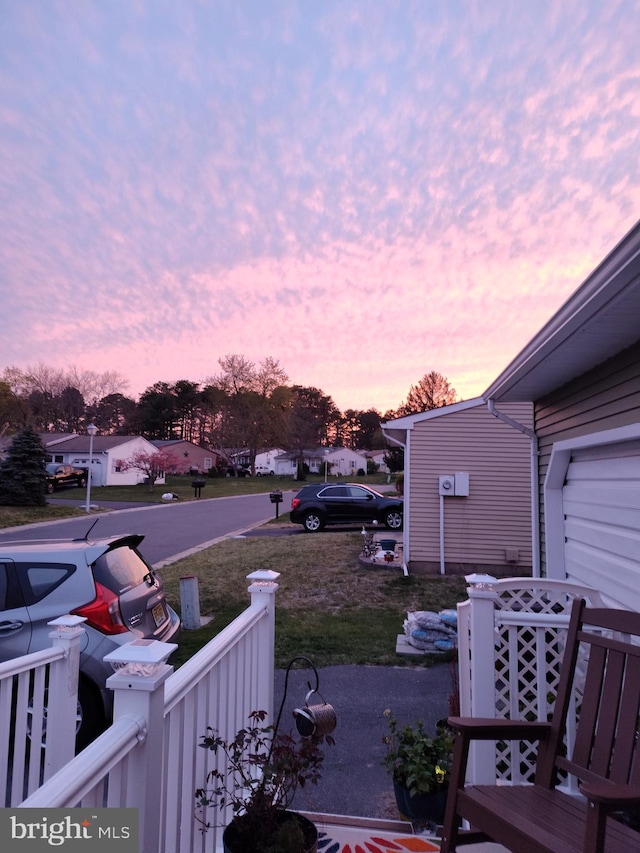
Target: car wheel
313	522
49	488
393	519
91	718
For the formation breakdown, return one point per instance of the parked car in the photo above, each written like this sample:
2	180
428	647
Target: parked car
263	471
344	503
105	580
238	471
64	475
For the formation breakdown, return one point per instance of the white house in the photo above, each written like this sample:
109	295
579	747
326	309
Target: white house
267	458
342	462
109	452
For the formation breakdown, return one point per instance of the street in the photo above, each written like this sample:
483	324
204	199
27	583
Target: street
171	530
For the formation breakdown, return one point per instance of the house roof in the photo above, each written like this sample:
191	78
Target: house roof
168	442
73	443
396	430
598	321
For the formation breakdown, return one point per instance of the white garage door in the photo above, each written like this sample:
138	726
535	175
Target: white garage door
601	506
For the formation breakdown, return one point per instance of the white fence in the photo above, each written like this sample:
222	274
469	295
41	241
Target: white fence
149	758
38	692
510	646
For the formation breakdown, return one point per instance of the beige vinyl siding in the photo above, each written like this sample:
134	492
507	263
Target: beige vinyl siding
604	398
496	516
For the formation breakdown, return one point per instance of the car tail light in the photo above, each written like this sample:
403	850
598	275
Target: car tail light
295	502
103	613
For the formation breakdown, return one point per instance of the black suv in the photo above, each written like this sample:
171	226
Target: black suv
344	503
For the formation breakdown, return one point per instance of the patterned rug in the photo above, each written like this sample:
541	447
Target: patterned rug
335	838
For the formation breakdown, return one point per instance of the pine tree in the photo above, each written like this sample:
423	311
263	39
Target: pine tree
22	473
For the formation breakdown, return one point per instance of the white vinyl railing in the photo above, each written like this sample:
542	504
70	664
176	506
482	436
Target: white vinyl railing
149	758
38	693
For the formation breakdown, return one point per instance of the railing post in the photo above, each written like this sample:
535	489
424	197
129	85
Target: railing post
263	590
62	695
482	597
138	686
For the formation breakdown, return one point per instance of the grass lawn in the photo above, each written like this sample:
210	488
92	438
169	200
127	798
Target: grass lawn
328	606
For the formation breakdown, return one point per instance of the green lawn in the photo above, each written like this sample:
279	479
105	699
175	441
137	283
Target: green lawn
328	606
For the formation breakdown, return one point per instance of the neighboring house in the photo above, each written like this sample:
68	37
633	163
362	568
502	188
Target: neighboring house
267	458
582	372
377	456
342	461
467	489
48	439
107	457
191	457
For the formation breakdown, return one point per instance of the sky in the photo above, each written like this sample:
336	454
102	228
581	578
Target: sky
364	190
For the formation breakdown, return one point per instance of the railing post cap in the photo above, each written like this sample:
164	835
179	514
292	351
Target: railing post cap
264	575
481	585
67	626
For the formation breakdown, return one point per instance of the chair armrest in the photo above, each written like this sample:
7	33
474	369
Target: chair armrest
611	794
489	728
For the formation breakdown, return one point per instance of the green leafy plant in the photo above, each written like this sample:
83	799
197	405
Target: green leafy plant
262	770
415	759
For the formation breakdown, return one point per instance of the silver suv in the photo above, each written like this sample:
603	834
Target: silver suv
105	580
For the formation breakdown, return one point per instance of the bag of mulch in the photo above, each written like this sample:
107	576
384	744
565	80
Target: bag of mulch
426	631
449	617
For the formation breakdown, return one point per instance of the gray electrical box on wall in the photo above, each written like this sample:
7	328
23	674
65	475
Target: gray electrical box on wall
461	487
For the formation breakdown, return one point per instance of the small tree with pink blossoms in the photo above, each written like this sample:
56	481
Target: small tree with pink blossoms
152	464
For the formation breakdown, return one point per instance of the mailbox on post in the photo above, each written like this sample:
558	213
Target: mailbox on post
276	498
198	484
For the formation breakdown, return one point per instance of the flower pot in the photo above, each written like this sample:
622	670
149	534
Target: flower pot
429	806
234	842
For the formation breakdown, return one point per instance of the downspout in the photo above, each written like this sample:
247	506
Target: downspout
405	526
535	495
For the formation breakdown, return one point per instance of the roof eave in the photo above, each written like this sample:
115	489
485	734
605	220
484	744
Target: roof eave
599	320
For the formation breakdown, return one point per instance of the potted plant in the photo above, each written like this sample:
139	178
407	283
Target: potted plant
420	765
260	773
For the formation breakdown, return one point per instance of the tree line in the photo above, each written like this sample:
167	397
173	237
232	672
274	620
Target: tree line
244	406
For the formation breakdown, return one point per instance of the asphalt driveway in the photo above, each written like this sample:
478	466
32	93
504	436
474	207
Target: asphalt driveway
354	782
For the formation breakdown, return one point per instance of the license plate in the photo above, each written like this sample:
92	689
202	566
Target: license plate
158	614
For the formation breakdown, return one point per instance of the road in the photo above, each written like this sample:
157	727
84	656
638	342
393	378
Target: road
171	530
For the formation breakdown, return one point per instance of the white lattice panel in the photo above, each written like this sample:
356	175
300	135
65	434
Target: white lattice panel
530	620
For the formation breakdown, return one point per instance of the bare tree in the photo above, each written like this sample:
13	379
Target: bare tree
431	392
237	374
270	376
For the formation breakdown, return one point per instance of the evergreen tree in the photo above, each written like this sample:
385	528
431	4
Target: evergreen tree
22	473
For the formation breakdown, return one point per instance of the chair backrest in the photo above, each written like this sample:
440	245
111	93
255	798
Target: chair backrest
602	664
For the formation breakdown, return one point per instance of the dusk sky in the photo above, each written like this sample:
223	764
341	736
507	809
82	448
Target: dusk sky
365	191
